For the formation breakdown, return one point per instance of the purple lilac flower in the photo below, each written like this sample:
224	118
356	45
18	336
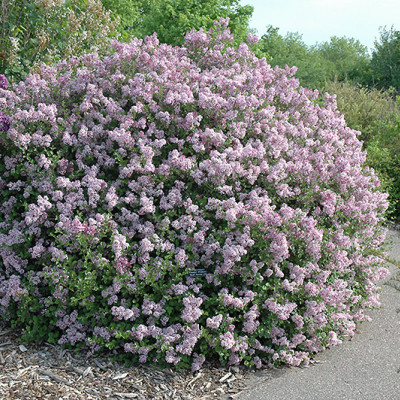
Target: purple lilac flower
3	82
157	160
4	122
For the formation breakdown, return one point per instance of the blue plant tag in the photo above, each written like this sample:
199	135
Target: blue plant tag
196	273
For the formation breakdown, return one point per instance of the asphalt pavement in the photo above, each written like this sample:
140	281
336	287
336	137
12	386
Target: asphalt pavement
364	368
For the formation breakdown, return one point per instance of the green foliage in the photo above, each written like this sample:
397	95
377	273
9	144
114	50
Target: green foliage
386	167
339	59
47	31
291	50
171	19
385	62
345	59
130	14
384	157
365	110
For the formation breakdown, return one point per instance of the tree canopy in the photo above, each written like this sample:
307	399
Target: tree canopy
340	58
385	62
36	31
171	19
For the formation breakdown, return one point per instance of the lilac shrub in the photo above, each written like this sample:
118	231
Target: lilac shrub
179	204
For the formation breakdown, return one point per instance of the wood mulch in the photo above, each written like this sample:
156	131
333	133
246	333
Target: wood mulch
32	372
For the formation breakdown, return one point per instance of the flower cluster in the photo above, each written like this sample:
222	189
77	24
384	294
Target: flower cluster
3	82
4	120
182	203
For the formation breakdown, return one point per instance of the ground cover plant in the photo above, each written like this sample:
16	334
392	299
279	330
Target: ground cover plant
184	203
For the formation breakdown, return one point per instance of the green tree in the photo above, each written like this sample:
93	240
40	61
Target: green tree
292	51
385	62
130	14
282	50
36	31
171	19
340	58
346	59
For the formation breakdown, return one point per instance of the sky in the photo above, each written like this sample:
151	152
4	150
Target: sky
319	20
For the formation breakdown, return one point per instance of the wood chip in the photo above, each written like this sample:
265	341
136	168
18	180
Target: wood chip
21	372
100	365
127	395
23	348
225	377
49	372
199	375
236	395
53	376
120	376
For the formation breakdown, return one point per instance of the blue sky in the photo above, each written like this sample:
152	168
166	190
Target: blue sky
318	20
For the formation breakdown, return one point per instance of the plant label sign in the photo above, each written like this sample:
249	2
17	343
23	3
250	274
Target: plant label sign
197	273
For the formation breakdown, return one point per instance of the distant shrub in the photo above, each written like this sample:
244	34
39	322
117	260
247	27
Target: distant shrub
384	157
364	109
184	203
376	114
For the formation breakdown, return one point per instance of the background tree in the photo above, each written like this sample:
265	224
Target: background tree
32	32
385	62
171	19
338	59
345	59
279	50
291	50
130	14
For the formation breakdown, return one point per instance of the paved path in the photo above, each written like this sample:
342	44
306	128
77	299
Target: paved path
365	368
